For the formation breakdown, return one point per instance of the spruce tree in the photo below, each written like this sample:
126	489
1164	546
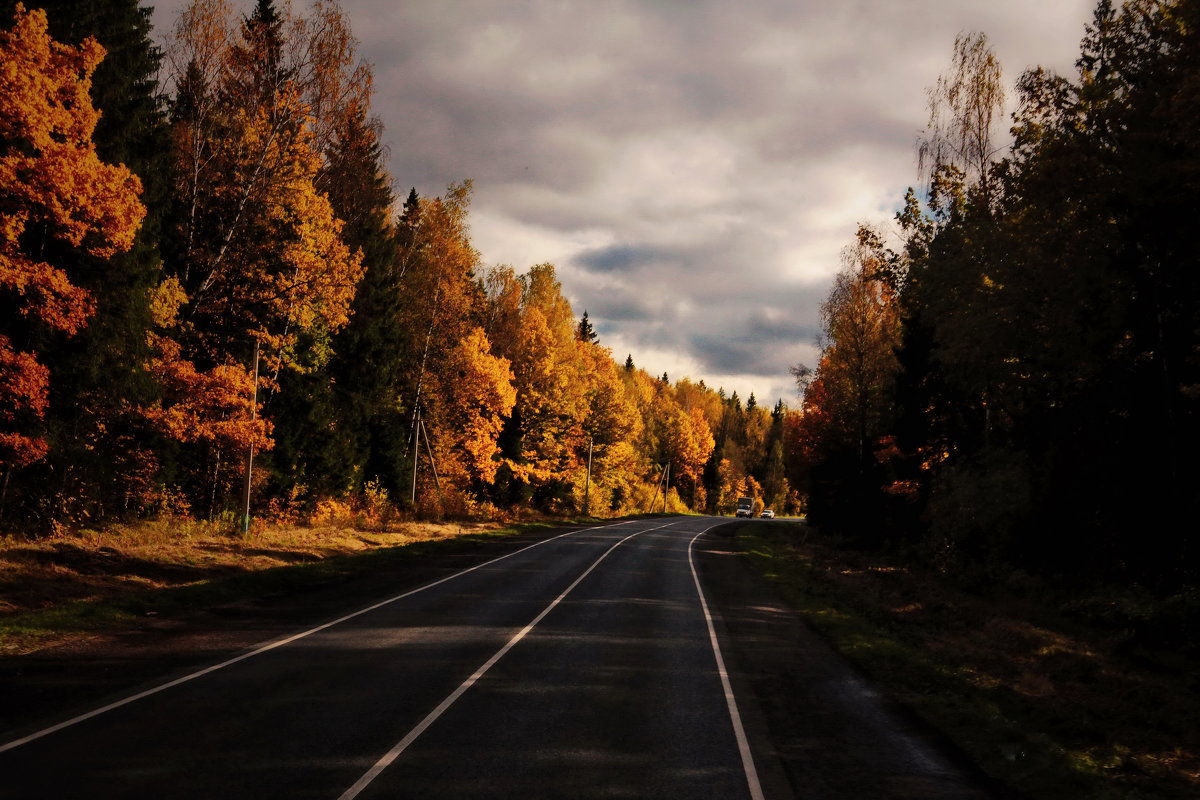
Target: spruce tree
585	332
98	463
340	425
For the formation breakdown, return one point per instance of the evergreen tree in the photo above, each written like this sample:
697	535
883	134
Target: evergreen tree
340	425
1050	318
585	332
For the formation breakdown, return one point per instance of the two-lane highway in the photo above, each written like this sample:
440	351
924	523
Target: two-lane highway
583	666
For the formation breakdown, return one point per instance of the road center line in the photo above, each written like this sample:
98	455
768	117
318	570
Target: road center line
279	643
432	716
739	732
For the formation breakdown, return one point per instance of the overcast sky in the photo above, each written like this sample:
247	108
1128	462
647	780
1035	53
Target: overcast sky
693	169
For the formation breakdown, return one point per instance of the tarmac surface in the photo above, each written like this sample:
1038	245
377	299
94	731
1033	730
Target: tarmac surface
636	659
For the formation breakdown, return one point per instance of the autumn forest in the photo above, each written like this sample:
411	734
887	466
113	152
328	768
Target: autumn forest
212	271
203	266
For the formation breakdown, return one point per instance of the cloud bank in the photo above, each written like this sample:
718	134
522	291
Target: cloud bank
692	168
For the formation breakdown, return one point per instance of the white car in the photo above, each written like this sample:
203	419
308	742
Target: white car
767	514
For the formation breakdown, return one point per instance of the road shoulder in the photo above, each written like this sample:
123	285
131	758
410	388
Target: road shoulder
834	735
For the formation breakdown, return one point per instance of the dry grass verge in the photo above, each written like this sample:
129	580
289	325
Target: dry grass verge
1050	705
56	589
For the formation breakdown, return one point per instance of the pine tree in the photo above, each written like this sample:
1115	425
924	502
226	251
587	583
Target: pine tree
585	332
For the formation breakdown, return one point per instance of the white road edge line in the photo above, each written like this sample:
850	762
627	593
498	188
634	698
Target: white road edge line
432	716
277	643
739	731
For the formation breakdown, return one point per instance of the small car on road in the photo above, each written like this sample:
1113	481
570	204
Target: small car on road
767	514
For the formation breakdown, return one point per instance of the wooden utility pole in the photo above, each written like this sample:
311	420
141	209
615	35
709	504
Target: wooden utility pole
420	432
250	451
666	485
416	454
587	484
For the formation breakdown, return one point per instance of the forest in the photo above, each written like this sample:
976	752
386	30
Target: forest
210	291
214	298
1009	379
210	295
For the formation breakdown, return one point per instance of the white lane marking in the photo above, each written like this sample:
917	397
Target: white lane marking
278	643
739	732
432	716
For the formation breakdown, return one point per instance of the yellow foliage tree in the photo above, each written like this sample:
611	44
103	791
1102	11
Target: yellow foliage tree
561	386
53	188
441	298
262	258
542	404
477	395
612	423
609	416
503	316
290	279
570	394
259	256
448	371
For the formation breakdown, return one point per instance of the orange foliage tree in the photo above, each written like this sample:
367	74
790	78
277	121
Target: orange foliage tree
262	256
54	189
551	380
257	253
477	395
448	371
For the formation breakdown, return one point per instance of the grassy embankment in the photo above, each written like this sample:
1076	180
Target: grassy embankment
1026	680
58	589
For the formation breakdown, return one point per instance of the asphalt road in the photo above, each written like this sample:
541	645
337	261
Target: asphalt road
587	665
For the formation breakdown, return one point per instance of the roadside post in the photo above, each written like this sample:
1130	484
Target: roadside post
587	483
250	450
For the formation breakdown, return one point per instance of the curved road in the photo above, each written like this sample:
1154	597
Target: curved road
586	665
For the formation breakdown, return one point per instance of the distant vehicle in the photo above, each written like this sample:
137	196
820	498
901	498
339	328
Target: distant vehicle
745	507
767	514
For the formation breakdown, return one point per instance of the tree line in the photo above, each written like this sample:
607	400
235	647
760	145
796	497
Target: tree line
208	290
1010	376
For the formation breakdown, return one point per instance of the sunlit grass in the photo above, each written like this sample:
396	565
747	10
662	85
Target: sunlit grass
54	590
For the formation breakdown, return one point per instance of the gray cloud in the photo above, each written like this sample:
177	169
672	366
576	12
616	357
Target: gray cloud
622	258
614	259
692	168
